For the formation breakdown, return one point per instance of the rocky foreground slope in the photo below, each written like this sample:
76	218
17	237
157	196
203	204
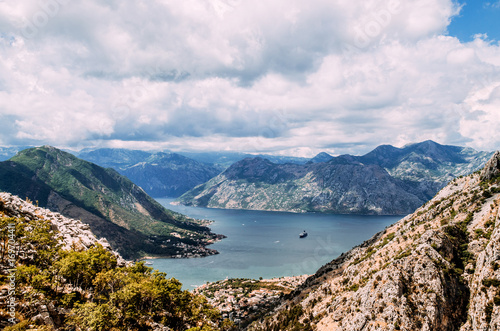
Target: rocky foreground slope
70	232
437	269
56	275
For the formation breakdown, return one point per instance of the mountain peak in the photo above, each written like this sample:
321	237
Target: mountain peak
321	157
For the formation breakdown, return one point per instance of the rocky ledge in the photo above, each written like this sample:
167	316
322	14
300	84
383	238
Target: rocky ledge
71	232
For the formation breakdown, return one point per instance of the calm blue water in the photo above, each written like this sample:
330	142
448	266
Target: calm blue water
267	244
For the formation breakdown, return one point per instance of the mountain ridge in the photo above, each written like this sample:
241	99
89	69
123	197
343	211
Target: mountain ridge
343	188
369	184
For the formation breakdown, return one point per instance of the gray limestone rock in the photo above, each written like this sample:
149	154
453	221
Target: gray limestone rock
492	168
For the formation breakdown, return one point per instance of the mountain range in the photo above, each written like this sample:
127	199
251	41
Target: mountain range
113	206
167	174
388	180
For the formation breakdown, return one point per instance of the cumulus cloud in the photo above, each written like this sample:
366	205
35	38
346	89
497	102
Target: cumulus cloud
285	77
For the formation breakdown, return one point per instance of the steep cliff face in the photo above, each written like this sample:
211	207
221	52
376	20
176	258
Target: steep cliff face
437	269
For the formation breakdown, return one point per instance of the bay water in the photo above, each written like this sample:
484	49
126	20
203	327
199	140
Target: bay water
267	244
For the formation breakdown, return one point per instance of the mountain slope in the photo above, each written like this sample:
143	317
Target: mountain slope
169	174
388	180
437	269
111	204
321	157
159	174
341	187
8	152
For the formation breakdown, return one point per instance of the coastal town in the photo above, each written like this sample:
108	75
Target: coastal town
245	299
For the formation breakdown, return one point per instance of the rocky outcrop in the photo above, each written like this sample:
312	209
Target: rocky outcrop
437	269
71	232
244	300
492	168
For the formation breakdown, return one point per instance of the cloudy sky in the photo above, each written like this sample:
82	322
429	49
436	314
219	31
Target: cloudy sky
282	76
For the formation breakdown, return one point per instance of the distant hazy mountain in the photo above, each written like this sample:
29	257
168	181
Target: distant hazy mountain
388	180
112	205
169	174
223	160
116	158
321	157
8	152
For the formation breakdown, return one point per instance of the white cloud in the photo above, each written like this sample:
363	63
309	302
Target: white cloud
294	76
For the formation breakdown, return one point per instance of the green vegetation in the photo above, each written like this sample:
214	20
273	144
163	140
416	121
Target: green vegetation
96	293
248	285
403	255
369	252
488	310
387	239
289	320
491	282
114	207
354	288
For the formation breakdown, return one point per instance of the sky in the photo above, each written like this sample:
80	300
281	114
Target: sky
282	77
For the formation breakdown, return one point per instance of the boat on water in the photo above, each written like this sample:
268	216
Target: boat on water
303	234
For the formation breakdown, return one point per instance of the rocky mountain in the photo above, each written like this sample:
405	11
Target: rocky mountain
427	161
224	160
388	180
113	207
338	186
321	157
160	174
436	269
169	174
